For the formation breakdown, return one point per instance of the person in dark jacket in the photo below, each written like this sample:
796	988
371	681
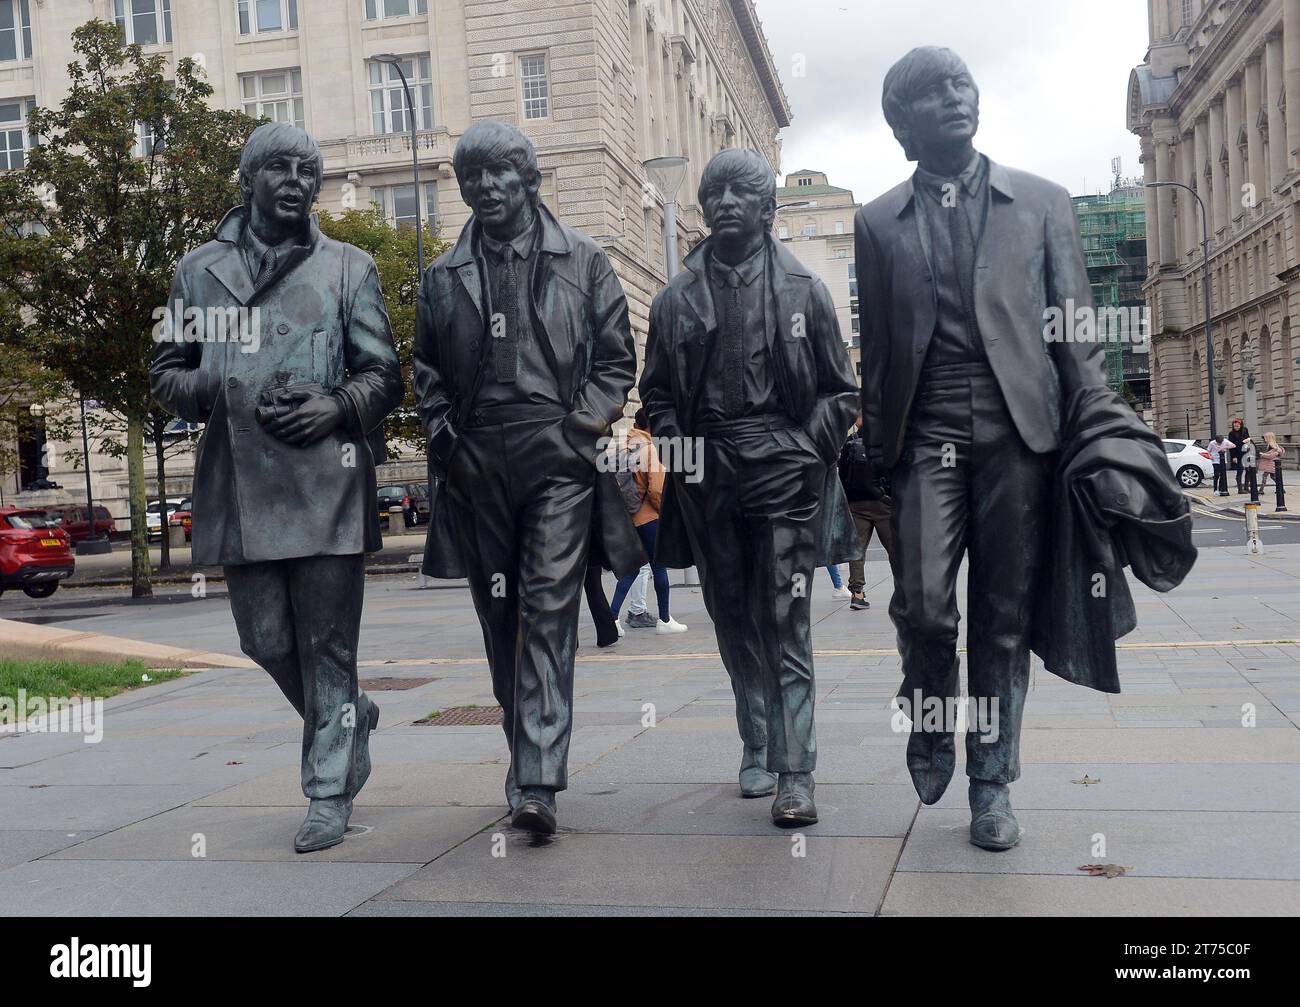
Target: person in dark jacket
1238	435
870	510
284	479
523	358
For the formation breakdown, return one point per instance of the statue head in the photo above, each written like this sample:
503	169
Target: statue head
280	175
496	168
738	194
931	101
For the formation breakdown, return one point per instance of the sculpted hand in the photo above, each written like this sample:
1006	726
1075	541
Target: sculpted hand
316	415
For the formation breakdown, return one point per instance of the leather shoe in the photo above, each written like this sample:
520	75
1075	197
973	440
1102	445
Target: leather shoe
326	822
794	800
368	721
993	826
536	811
755	780
931	758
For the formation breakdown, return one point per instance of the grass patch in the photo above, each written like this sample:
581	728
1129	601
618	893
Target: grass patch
67	678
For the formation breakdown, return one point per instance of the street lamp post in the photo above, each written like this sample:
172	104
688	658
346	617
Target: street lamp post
1205	263
667	173
395	62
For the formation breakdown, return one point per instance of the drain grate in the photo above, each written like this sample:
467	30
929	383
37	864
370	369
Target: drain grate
463	716
392	684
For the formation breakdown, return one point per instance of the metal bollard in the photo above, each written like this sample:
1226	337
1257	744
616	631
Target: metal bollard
1254	544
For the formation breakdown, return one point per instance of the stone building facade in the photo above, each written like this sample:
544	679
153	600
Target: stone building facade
1210	104
815	219
599	85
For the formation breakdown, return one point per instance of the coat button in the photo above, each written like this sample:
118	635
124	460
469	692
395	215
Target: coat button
1121	498
282	328
232	382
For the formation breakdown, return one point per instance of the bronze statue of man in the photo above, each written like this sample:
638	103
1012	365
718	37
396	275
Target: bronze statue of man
963	399
298	373
745	353
523	358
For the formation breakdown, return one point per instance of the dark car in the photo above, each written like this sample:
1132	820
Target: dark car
412	499
35	553
72	519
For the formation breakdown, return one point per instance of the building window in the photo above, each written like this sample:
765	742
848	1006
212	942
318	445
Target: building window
805	181
785	232
810	229
388	97
15	29
143	22
265	15
13	132
400	208
841	253
1187	12
147	139
855	323
839	227
376	9
275	95
537	88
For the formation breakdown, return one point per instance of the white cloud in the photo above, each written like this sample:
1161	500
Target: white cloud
1052	76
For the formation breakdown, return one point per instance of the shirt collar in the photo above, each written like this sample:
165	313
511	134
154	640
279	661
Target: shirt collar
522	243
969	178
749	270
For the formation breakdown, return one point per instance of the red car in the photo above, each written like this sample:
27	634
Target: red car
72	519
35	554
184	516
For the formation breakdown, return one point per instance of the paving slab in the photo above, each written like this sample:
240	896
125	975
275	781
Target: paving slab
197	888
17	846
941	894
416	785
1189	844
91	808
711	872
375	835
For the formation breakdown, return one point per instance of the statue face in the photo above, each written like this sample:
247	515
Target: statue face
496	192
946	113
283	189
737	210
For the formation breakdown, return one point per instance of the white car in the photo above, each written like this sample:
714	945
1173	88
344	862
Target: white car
1189	461
151	516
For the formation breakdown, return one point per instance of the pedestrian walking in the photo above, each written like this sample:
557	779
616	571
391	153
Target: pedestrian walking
1220	453
641	477
837	582
869	509
1270	464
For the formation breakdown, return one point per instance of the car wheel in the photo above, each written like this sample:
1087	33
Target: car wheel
41	590
1190	476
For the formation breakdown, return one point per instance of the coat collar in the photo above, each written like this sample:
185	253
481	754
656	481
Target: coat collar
230	267
781	265
900	197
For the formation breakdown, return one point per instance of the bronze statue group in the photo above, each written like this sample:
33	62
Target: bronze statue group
992	443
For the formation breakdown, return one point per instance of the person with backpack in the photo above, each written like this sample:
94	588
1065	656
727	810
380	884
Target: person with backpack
869	509
641	482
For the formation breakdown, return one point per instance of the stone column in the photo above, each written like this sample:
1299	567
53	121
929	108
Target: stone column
1277	151
1167	243
1232	121
1256	169
1200	158
1291	60
1218	177
1149	175
1188	214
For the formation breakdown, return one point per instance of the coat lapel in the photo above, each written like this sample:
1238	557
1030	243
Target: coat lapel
231	271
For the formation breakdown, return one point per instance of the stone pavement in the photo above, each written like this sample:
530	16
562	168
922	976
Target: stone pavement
1203	811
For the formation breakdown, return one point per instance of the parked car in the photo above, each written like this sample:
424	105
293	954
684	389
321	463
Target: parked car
153	519
72	519
35	553
1190	462
183	516
411	498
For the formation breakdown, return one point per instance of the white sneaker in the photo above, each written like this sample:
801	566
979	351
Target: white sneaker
842	592
618	625
671	626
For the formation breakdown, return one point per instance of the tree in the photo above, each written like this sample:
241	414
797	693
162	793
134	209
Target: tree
394	252
130	173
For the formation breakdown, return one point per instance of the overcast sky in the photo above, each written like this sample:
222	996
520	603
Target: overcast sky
1052	76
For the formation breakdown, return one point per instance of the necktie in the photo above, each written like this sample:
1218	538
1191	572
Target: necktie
963	253
265	268
733	352
505	350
